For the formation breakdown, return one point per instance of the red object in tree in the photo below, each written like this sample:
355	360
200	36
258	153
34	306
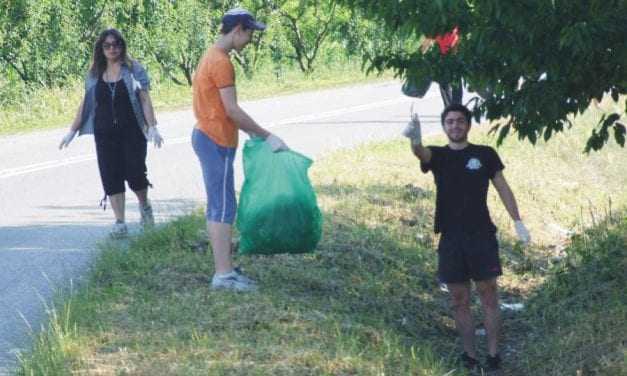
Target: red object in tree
447	41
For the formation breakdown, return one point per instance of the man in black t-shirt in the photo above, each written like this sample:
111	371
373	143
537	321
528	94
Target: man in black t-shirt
468	247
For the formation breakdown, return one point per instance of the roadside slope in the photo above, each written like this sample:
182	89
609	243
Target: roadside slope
367	301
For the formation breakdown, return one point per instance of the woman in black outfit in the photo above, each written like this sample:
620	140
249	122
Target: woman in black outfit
117	109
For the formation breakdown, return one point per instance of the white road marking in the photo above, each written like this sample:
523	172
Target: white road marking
15	171
23	170
321	115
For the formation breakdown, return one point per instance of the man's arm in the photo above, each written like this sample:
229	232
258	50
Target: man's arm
506	195
509	201
414	133
245	122
239	116
423	153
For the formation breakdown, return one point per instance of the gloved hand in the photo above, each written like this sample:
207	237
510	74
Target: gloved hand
413	131
154	136
276	144
522	232
65	141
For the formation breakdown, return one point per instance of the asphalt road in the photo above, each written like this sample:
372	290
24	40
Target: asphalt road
50	221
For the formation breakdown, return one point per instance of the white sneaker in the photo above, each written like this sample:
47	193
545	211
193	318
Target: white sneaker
118	231
147	218
233	281
242	277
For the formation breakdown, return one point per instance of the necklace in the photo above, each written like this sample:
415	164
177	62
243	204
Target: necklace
112	86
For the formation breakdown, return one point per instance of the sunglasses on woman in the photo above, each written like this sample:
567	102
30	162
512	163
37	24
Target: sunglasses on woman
107	46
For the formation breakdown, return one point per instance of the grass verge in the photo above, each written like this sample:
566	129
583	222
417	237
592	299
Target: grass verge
56	107
367	301
576	323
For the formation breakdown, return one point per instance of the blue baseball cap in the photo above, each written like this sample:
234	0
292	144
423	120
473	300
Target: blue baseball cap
240	16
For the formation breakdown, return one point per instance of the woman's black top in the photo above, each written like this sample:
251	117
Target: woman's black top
113	108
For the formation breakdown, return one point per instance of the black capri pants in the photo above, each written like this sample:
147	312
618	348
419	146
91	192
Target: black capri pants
122	157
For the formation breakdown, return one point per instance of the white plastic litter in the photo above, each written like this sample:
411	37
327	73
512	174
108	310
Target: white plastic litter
512	306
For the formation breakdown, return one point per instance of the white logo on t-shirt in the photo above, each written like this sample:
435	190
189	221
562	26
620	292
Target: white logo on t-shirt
473	164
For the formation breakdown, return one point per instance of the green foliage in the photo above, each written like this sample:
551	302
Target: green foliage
308	24
581	310
55	347
175	34
39	41
535	78
45	43
46	48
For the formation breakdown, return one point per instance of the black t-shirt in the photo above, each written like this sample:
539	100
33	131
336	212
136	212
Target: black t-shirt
462	178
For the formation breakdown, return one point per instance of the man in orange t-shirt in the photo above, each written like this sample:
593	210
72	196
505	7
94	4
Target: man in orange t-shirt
219	118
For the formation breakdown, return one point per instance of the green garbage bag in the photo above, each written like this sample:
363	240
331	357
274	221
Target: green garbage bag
277	212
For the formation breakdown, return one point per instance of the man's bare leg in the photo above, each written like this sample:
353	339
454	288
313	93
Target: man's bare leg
488	293
460	300
220	237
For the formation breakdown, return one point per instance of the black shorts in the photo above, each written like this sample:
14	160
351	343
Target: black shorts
462	257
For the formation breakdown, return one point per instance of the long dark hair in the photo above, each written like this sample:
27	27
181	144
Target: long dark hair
99	62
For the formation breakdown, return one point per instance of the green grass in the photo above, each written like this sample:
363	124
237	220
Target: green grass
56	107
367	301
577	320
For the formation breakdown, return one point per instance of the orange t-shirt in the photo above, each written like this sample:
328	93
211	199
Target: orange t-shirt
214	72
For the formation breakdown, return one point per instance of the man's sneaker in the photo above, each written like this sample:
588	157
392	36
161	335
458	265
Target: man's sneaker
492	363
147	218
469	362
118	231
232	281
242	277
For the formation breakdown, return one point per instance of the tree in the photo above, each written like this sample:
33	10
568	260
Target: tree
40	40
176	33
307	24
536	63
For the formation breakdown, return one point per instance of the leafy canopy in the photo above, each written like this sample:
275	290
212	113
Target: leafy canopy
535	63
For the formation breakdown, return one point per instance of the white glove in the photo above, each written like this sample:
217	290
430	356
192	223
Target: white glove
523	233
154	136
276	144
413	131
65	141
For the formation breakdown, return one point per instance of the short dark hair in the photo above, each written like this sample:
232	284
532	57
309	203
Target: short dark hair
457	107
229	26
